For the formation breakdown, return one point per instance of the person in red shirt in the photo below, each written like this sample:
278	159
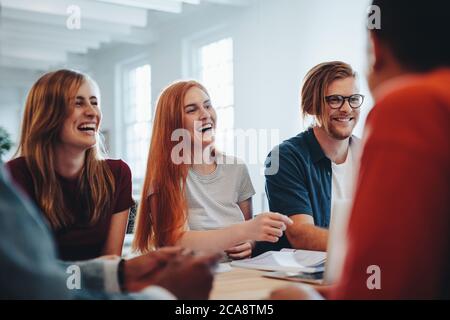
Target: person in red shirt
84	197
398	241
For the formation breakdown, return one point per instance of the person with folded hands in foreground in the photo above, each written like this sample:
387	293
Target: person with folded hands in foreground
398	243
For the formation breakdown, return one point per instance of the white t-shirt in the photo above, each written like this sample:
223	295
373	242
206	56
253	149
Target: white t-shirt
213	199
342	192
342	181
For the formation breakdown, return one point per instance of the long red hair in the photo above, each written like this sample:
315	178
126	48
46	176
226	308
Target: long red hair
164	178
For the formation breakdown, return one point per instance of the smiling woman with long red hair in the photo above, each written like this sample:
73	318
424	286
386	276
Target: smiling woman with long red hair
202	205
84	197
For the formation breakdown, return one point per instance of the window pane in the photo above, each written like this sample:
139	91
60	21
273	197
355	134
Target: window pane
137	114
225	118
216	74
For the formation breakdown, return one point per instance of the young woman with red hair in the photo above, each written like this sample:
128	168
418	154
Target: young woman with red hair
193	195
84	197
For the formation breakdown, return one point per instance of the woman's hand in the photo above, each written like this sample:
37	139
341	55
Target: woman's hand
241	251
266	226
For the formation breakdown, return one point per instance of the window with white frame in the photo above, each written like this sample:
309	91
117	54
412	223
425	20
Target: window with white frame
215	72
137	121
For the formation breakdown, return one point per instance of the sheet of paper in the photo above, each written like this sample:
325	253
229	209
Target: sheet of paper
223	267
284	260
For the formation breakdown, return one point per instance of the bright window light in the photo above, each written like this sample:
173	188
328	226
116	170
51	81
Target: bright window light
215	71
137	120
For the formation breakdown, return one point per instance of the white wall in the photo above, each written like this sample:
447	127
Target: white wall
10	116
14	86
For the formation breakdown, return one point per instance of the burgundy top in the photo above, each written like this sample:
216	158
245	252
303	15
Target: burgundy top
80	241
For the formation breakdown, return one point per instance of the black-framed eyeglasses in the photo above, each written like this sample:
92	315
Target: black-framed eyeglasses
336	101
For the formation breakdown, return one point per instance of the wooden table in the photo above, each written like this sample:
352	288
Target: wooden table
244	284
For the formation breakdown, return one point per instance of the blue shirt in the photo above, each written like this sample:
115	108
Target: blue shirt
298	181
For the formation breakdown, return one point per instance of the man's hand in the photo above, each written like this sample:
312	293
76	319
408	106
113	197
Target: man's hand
241	251
188	276
141	271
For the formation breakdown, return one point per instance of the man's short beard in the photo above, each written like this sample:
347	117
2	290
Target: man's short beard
336	134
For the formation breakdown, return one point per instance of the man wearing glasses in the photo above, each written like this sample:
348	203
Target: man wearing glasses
316	168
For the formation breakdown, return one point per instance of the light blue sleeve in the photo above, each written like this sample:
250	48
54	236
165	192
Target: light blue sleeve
28	265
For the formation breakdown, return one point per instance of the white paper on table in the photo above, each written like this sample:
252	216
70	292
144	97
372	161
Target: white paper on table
286	260
223	267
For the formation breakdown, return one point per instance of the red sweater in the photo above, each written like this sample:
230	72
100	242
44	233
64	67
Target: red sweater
401	216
